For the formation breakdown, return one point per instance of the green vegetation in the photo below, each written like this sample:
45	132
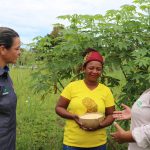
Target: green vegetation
38	127
122	36
26	59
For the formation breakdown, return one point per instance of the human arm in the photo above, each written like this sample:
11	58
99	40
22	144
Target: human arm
140	135
122	136
61	110
124	114
109	109
109	118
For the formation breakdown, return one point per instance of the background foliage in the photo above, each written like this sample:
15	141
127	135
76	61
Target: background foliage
122	36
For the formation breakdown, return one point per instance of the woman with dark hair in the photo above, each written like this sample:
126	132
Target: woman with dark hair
86	96
9	52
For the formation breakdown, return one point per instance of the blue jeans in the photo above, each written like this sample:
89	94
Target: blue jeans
102	147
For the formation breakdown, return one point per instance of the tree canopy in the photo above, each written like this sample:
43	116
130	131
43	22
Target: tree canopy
122	36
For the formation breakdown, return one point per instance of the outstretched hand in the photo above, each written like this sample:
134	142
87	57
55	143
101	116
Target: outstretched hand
119	135
124	114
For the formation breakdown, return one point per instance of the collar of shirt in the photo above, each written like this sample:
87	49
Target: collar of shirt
4	71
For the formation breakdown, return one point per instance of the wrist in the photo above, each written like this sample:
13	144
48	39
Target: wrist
129	137
74	117
101	126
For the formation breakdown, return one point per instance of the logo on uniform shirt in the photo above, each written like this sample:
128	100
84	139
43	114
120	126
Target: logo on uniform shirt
139	103
4	90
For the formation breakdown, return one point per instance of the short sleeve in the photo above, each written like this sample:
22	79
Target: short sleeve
109	100
67	91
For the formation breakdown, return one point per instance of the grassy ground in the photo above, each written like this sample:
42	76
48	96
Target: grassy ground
38	127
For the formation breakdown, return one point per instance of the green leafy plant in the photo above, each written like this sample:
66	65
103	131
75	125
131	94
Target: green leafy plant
122	36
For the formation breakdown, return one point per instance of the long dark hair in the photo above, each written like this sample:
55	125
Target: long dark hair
6	36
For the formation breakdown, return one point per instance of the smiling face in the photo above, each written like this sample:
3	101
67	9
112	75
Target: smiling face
11	54
93	70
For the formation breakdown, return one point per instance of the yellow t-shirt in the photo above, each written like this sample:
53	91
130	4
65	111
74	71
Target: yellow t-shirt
83	100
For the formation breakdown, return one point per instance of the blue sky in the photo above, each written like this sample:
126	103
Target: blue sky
31	18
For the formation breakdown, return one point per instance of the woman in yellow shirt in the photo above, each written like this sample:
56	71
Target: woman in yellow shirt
82	96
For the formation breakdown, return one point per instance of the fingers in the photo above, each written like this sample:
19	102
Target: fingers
125	106
118	136
114	136
122	115
118	127
117	112
87	129
77	120
118	116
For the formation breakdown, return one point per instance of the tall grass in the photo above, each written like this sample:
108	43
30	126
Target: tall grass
38	127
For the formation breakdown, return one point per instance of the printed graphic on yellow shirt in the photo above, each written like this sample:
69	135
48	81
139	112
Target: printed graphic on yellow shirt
90	105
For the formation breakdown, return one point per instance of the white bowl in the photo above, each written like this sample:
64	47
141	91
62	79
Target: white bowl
91	120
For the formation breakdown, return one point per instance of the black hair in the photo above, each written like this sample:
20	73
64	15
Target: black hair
88	50
6	36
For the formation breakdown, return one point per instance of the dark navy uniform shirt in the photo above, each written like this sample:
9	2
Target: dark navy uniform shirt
8	102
